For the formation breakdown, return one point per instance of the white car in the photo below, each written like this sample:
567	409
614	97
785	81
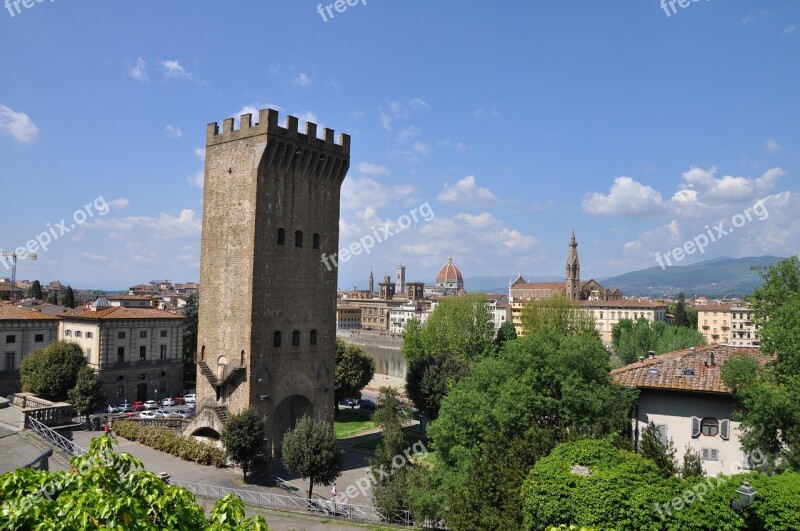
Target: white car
150	404
168	402
190	399
147	415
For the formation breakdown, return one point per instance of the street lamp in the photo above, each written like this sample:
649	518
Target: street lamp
156	390
746	496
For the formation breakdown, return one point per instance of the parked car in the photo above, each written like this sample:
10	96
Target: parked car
178	400
150	404
184	413
112	409
351	402
190	399
366	403
124	408
138	406
147	415
168	402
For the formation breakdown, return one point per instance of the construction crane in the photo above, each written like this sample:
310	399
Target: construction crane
14	256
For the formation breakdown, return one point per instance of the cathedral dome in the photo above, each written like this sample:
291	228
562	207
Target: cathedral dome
449	274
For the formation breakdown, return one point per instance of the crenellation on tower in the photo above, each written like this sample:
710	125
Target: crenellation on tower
268	125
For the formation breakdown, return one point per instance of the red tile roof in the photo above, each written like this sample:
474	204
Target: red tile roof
541	285
120	312
8	312
625	303
668	371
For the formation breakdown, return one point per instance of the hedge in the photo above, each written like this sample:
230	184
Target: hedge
164	440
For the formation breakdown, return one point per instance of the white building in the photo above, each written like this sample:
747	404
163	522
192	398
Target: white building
608	313
21	331
682	393
399	317
744	330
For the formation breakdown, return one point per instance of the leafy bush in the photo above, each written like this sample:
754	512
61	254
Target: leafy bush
164	440
620	489
107	490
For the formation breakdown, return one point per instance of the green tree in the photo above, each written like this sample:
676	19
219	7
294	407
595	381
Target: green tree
659	450
190	340
35	290
559	314
52	371
505	333
512	410
390	491
354	370
680	317
69	298
243	437
770	418
634	339
429	379
311	452
107	490
87	393
413	347
692	466
461	326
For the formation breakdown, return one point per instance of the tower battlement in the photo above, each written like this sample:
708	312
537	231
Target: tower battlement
268	125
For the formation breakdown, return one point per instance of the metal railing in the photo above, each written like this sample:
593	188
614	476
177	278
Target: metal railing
40	463
328	508
52	437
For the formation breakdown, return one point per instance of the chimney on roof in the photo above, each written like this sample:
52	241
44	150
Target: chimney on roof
713	361
651	354
641	359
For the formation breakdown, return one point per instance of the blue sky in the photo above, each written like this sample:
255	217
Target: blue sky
514	121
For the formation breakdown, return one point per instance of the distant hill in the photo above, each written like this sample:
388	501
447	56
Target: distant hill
713	278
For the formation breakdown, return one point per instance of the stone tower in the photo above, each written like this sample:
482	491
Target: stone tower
267	324
573	271
371	284
400	280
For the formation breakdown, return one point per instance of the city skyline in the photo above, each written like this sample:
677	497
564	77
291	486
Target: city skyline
642	131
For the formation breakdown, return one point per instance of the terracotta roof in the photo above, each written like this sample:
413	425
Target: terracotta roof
715	308
668	371
120	312
129	298
8	312
449	273
541	285
624	303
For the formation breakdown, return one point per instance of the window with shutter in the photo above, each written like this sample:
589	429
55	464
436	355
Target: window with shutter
725	429
710	454
696	426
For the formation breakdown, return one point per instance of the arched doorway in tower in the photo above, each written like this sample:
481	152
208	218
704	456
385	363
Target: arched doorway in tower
287	414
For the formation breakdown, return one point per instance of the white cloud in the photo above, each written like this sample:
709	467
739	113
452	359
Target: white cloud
421	148
302	80
356	193
197	180
357	114
789	29
119	204
398	110
626	198
466	191
407	133
139	71
18	124
479	220
200	153
654	240
368	168
771	146
728	188
173	69
95	257
417	104
163	226
450	144
173	131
